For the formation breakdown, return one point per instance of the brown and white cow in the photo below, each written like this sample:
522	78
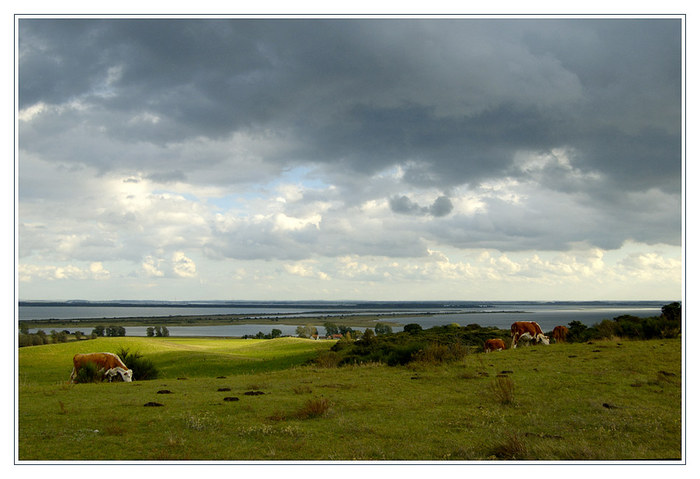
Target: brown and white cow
528	330
559	333
109	363
494	345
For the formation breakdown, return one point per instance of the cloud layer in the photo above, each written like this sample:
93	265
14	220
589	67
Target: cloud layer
184	149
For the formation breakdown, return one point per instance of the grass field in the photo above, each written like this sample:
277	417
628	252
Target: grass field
242	400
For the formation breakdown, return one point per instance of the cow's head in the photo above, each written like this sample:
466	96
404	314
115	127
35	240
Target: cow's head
124	374
544	339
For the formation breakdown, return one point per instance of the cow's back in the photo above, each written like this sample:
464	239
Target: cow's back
560	333
538	330
522	327
494	345
103	360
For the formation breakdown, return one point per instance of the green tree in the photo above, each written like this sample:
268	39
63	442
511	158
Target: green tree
368	336
115	331
24	340
99	331
577	332
413	328
149	331
275	333
382	328
342	329
306	331
672	312
331	328
58	336
41	337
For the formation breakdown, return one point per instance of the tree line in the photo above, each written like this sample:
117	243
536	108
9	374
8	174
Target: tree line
41	337
666	325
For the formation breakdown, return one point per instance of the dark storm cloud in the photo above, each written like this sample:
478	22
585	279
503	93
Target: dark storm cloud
458	97
450	102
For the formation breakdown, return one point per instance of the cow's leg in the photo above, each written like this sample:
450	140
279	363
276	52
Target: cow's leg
514	340
527	336
72	375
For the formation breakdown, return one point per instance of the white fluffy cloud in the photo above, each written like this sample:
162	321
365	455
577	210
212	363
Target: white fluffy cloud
94	272
183	266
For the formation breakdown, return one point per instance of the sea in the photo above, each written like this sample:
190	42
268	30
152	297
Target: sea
500	314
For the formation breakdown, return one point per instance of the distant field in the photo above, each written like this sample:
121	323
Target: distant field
354	320
610	400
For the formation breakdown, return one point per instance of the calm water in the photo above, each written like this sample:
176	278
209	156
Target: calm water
500	315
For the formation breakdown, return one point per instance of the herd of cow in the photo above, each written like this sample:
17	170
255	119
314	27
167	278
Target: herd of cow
112	367
528	330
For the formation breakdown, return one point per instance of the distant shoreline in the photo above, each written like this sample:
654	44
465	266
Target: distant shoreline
338	317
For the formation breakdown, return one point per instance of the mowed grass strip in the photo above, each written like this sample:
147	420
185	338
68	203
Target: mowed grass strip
603	401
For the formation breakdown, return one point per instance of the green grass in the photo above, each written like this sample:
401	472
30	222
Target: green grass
603	401
174	357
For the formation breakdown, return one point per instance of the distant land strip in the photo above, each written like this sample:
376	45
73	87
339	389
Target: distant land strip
330	305
356	320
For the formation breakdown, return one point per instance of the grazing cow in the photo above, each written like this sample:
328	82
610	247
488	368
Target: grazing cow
529	330
494	345
107	362
117	374
559	333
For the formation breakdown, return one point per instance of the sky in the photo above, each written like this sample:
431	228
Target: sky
349	158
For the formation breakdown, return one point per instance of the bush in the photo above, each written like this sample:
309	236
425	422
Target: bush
578	332
513	448
368	336
36	339
403	354
667	325
435	345
313	408
89	373
604	330
142	368
629	326
441	353
412	328
503	390
328	359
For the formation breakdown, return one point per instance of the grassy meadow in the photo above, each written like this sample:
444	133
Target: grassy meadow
250	400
